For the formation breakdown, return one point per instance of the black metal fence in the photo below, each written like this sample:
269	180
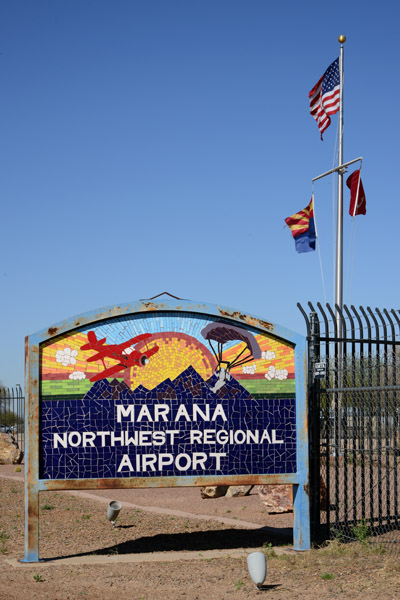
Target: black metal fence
12	412
354	418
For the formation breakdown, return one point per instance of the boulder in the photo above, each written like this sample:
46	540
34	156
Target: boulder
236	491
213	491
10	454
230	491
277	498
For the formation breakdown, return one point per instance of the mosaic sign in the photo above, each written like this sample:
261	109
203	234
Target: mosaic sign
166	394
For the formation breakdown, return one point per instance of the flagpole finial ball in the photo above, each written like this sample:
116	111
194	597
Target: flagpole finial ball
342	39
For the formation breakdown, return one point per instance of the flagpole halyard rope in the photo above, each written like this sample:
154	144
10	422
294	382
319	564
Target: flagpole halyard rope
319	250
352	252
350	273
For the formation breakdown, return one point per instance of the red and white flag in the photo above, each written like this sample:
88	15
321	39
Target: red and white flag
358	204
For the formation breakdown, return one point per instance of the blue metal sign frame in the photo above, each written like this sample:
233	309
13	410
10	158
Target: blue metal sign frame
34	484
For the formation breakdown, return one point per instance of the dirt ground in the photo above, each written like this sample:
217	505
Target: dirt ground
171	544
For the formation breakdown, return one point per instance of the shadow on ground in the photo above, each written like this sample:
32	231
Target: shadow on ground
226	539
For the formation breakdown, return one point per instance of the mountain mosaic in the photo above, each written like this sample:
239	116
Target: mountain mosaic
188	383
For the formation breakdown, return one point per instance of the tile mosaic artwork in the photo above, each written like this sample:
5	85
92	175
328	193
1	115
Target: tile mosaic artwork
166	394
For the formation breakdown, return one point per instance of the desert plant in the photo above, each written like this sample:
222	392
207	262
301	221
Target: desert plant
327	576
362	532
3	539
268	550
239	584
337	535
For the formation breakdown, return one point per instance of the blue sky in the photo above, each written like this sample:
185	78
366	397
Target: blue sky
159	145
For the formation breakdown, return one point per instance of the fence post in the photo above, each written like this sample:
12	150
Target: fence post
314	426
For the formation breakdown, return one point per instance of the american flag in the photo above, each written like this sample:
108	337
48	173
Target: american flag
324	97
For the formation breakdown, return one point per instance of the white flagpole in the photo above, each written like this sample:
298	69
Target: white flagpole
339	248
339	223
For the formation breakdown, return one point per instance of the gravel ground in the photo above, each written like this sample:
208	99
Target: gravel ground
76	526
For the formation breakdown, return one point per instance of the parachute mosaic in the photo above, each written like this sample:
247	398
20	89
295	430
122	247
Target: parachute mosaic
218	335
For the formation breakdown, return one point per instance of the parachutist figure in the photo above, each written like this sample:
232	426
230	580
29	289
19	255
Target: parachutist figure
223	375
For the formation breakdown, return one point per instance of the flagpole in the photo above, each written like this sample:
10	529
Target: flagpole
339	221
339	253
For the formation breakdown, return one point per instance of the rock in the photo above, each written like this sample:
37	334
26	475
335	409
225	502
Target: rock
236	491
277	498
213	491
230	491
10	454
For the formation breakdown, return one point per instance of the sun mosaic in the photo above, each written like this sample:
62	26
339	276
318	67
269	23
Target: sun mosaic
176	353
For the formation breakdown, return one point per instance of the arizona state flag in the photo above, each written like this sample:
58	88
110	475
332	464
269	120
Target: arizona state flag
303	228
358	204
